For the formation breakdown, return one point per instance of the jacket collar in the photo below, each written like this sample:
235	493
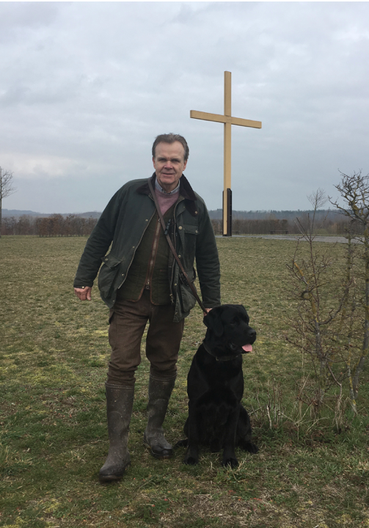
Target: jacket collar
185	188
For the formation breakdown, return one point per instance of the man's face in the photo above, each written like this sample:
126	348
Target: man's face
169	164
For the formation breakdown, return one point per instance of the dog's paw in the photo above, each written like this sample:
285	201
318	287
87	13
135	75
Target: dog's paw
190	461
230	462
191	458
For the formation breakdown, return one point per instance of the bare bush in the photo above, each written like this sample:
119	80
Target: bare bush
327	326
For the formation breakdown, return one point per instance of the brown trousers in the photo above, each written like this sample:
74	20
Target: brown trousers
127	324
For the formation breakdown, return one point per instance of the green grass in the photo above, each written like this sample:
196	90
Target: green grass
54	354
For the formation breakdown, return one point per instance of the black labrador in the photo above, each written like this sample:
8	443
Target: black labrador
215	387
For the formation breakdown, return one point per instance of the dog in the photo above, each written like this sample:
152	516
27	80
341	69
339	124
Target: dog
215	387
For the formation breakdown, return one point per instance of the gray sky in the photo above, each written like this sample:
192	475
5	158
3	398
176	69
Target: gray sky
86	87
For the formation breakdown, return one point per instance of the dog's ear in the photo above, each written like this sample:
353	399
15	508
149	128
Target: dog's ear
213	321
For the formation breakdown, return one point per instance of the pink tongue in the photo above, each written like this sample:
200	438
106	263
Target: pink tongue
247	348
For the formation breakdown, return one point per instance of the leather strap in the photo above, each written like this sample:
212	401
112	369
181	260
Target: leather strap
170	243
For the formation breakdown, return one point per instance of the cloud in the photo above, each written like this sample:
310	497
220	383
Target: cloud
88	86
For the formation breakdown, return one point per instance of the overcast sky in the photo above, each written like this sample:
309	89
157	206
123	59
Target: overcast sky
86	87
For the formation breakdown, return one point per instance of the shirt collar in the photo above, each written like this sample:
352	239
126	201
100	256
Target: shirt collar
160	188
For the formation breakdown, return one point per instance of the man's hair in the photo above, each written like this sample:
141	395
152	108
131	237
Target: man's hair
171	138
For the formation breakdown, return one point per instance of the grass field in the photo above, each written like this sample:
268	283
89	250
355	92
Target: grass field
54	354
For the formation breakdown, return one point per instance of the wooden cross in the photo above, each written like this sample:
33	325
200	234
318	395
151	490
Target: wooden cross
228	121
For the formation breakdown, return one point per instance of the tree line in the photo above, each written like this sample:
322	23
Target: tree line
75	225
48	226
327	225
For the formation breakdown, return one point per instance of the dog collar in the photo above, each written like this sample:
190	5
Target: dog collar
222	358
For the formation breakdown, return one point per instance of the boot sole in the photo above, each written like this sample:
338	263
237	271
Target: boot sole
104	479
157	455
110	478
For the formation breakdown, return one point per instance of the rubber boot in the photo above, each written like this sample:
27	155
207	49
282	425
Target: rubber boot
159	394
119	403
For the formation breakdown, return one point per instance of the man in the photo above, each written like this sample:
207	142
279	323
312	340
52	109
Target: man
140	281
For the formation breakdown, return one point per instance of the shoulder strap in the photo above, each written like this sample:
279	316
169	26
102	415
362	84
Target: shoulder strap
193	289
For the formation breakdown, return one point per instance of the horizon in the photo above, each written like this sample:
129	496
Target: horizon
30	212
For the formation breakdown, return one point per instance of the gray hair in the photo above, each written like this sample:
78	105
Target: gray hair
171	138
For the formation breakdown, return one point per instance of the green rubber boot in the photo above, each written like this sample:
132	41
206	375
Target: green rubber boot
119	403
159	394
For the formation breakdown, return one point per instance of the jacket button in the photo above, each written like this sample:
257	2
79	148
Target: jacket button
179	227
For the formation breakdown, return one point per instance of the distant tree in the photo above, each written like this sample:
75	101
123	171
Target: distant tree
216	225
42	227
89	225
9	225
25	225
56	223
6	188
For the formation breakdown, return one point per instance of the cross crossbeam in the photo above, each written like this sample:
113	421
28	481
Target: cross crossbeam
228	120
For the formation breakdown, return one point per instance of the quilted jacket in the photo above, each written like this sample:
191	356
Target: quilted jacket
112	245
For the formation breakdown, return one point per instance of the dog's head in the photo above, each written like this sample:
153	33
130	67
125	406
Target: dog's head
228	332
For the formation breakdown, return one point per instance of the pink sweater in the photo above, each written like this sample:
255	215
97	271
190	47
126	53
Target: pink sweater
166	200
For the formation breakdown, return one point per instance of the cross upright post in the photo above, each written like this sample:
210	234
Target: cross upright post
228	121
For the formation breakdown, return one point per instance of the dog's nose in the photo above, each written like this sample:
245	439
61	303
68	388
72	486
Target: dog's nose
252	334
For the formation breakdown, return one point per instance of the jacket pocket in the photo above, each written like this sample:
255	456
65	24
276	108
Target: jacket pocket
188	238
108	273
191	231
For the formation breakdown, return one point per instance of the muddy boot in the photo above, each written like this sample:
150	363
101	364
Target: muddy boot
159	394
119	402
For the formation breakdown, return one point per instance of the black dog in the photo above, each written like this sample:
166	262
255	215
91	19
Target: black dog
215	387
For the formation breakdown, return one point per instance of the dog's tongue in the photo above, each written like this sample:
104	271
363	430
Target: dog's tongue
247	348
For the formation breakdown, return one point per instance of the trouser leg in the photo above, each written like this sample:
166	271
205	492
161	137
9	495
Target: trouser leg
127	324
125	334
162	345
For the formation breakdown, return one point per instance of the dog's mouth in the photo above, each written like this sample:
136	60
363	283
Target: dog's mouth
237	350
246	348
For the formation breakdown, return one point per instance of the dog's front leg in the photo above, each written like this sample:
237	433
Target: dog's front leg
229	455
192	454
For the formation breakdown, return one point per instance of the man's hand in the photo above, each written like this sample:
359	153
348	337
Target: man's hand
84	294
207	311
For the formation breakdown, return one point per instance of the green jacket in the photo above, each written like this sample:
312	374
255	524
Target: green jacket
121	227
